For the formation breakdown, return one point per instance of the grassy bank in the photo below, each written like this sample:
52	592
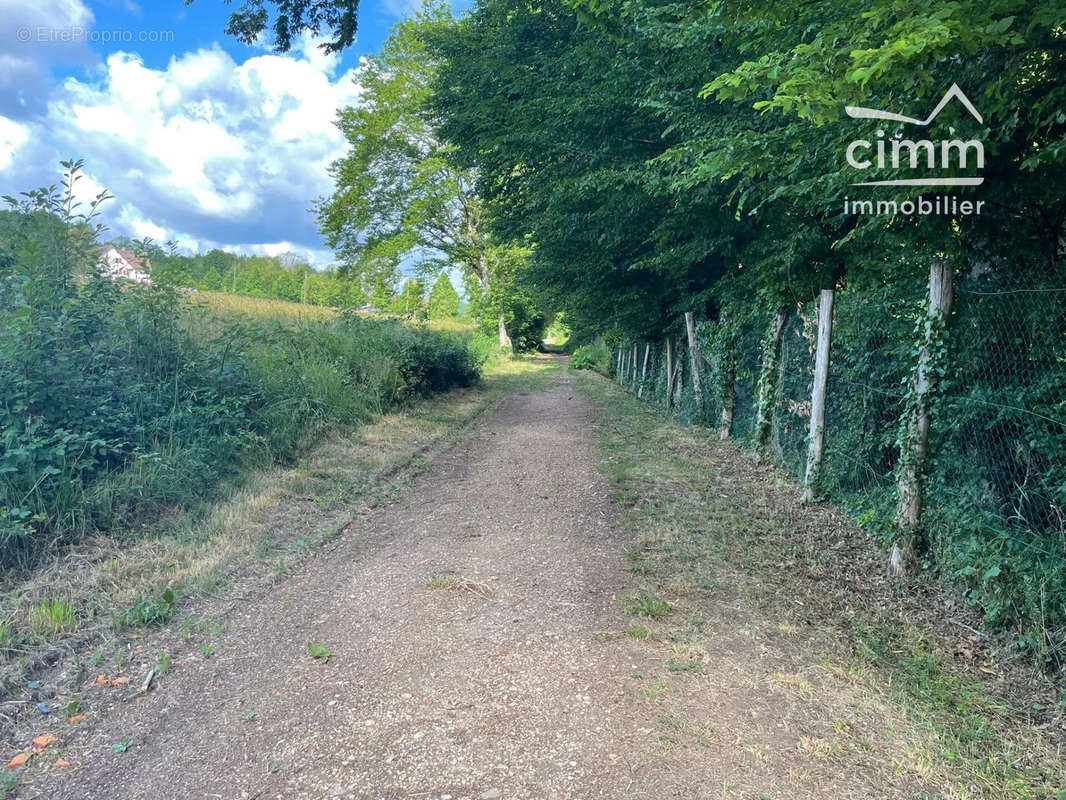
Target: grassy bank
886	679
108	584
121	404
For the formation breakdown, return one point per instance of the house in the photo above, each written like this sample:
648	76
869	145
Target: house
116	263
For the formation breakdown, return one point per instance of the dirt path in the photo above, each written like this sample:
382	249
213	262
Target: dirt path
474	630
485	643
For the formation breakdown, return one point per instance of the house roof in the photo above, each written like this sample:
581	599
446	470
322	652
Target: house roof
129	257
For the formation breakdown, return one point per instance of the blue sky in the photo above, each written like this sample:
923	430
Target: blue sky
201	139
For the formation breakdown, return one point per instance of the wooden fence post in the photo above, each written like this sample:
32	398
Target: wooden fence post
916	431
728	378
694	359
729	396
679	384
633	368
816	439
767	394
644	371
669	374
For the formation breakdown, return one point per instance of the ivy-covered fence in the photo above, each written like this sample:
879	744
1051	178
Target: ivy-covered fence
944	422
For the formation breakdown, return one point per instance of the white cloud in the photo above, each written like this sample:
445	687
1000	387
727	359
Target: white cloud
35	35
316	257
12	137
139	227
204	150
402	8
310	47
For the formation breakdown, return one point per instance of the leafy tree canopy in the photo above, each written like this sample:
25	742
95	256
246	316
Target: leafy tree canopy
286	19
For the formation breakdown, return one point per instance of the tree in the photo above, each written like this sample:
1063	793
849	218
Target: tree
382	295
399	191
293	17
411	301
211	280
443	299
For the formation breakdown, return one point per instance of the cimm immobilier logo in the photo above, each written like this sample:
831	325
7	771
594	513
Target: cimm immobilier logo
898	153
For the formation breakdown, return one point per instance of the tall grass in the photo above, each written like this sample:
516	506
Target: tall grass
232	305
117	403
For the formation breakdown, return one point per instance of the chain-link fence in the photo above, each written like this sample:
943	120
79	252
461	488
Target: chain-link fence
994	477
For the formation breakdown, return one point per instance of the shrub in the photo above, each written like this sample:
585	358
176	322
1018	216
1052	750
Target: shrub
149	611
119	401
595	356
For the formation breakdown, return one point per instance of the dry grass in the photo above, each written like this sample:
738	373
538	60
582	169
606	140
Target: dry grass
262	308
818	663
464	326
287	312
453	582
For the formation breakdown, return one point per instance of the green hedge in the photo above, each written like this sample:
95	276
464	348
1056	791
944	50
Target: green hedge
119	401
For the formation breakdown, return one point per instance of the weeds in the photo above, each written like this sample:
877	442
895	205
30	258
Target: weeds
639	632
686	665
52	618
650	607
149	611
319	652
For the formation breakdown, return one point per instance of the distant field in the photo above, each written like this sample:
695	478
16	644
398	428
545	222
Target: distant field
285	311
464	327
278	310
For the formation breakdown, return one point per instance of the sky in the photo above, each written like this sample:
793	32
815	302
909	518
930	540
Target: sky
201	139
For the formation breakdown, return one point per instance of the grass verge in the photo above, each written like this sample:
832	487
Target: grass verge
897	680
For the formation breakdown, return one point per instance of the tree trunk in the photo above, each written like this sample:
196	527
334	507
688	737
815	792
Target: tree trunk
816	440
679	386
694	359
916	437
729	396
669	374
768	383
643	371
505	339
728	360
483	278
